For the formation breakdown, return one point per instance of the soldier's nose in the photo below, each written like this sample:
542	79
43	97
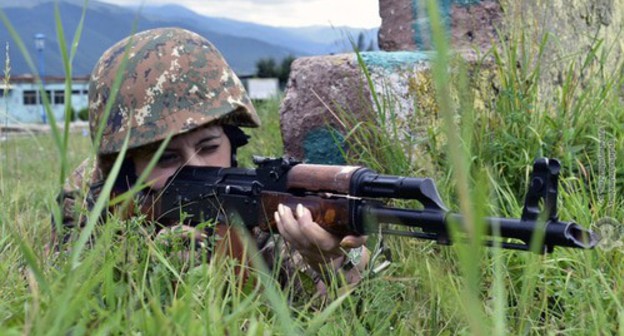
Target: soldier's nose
195	160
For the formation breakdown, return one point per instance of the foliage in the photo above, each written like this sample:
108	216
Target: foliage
361	43
284	71
83	114
268	68
267	139
480	153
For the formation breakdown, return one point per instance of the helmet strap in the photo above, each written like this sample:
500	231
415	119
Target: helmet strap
126	178
237	138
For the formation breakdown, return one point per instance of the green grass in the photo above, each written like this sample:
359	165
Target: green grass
480	158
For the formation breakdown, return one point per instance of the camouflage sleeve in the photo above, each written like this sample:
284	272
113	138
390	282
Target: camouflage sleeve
294	273
75	200
287	264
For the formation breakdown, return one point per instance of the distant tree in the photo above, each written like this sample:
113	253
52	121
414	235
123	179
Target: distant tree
372	46
284	71
83	114
267	68
361	43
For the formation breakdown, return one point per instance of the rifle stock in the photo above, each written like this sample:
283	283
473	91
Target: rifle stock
349	200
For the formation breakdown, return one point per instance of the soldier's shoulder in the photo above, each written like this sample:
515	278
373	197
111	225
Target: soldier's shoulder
84	174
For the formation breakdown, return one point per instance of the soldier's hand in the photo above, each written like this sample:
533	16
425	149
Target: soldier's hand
178	241
318	247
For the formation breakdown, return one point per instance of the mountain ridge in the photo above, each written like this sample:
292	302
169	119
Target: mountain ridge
242	43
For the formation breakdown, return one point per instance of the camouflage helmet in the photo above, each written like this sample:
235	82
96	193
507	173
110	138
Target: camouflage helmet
174	81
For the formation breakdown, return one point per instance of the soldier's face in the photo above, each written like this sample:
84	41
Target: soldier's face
206	147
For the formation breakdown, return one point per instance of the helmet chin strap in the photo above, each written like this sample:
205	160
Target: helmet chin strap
126	178
237	138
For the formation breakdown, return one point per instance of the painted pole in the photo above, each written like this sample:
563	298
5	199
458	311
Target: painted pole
40	46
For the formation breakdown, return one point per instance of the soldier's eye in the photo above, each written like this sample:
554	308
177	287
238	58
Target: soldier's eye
167	159
208	148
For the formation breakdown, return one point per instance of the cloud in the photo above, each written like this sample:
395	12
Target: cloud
353	13
274	2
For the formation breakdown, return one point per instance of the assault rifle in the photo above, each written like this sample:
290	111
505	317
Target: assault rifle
349	200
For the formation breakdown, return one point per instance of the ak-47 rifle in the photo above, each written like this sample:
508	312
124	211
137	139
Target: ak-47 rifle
348	200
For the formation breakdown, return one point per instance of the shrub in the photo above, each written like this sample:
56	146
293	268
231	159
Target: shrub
83	114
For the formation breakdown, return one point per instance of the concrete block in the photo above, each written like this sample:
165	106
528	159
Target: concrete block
471	23
323	90
572	28
320	86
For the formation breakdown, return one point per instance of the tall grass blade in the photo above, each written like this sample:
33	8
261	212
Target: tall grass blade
31	260
319	320
469	254
271	292
99	207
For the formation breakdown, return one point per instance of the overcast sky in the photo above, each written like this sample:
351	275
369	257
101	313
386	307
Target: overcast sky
294	13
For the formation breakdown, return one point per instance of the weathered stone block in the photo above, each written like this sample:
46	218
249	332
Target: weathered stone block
471	23
318	88
572	28
324	90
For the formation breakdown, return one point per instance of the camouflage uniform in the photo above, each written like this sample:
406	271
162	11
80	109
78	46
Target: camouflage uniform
79	196
171	81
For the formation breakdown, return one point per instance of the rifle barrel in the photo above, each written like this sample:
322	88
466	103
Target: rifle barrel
434	225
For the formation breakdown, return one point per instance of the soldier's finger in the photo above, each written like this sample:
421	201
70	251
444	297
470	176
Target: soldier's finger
318	237
352	241
283	229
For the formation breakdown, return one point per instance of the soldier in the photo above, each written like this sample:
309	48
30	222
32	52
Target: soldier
176	82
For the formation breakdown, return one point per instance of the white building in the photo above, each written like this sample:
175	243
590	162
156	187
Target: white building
21	101
261	88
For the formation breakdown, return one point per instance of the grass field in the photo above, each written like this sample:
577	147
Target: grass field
121	286
481	160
